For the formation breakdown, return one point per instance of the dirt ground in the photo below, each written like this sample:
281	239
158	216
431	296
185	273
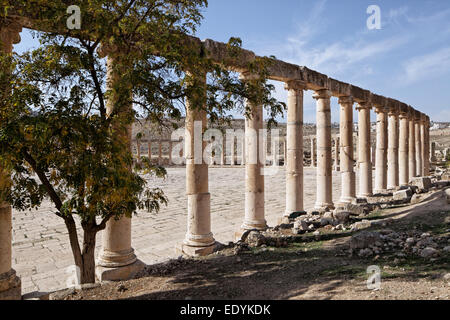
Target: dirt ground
308	268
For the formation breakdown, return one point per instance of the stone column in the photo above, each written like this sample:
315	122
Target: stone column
285	151
138	147
222	152
364	158
293	158
419	164
199	238
336	154
412	146
348	185
149	150
275	151
117	260
422	144
381	150
433	152
170	152
403	149
313	152
243	155
254	179
393	175
426	152
160	158
10	284
324	190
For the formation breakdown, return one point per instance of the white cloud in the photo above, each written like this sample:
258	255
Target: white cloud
349	53
426	66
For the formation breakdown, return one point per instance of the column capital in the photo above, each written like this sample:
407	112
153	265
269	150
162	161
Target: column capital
322	94
9	34
345	100
364	105
417	116
295	85
380	109
423	118
248	76
393	111
404	115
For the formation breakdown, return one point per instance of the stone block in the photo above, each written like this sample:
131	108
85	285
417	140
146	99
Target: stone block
422	183
119	273
195	251
402	195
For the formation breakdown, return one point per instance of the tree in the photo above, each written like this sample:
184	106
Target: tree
65	125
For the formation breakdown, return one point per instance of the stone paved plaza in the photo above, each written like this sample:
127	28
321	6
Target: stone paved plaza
41	250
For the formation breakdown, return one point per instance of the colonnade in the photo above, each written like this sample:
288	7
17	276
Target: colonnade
159	156
405	158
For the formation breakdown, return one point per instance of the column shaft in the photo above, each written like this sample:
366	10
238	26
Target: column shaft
336	154
10	284
412	148
324	198
426	152
422	145
149	151
254	179
138	149
419	165
393	174
348	184
364	156
117	260
199	238
404	149
294	142
313	152
381	151
160	158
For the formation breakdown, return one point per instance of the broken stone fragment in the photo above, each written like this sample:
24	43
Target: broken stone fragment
255	239
364	239
423	183
342	216
403	195
429	252
355	210
361	225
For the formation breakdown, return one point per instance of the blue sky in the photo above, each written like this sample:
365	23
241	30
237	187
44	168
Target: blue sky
408	59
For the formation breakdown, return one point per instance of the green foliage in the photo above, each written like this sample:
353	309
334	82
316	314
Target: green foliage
65	124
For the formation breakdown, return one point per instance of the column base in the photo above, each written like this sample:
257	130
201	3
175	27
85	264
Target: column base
119	273
381	191
365	195
193	251
323	206
290	215
246	227
346	200
10	286
254	225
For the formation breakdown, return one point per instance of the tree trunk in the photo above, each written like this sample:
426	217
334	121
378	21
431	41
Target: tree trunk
87	270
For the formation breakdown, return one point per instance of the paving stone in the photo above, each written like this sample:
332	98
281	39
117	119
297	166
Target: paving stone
41	244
